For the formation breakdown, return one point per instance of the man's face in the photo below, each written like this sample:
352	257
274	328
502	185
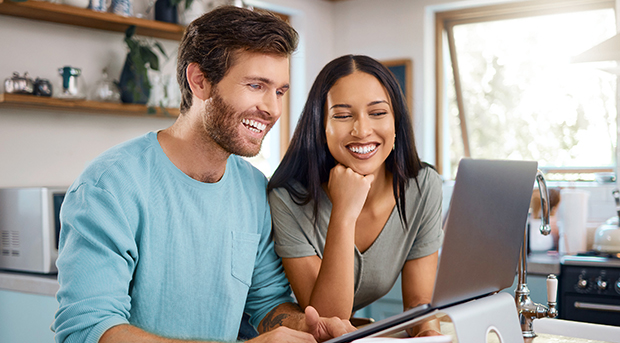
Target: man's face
247	102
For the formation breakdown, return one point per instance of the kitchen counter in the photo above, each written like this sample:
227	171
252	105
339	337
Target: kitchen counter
29	283
448	329
543	263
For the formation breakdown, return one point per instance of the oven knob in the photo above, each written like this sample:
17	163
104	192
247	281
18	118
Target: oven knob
582	283
601	284
617	286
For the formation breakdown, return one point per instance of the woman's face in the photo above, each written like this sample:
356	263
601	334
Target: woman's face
359	123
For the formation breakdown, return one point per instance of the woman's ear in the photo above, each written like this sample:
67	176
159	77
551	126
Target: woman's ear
200	86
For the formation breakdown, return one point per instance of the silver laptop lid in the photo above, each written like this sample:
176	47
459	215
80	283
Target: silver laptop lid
484	229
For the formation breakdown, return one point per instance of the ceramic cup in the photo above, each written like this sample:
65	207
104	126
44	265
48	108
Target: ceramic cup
100	5
76	3
122	7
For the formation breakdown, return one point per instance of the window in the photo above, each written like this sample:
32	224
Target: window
507	88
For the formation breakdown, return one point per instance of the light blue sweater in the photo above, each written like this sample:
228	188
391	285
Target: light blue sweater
143	243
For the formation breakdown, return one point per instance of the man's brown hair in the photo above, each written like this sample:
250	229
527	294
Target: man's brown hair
213	40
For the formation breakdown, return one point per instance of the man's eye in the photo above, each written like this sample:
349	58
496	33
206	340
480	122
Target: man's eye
254	86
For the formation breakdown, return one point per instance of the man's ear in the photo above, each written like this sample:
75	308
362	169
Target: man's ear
200	86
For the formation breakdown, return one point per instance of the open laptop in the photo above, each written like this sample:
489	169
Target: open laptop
483	236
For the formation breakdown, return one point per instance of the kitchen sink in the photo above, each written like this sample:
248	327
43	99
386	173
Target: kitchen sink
568	328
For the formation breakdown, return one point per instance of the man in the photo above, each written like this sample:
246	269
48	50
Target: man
167	236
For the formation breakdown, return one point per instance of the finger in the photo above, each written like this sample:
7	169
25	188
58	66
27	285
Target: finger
284	335
312	318
336	327
348	326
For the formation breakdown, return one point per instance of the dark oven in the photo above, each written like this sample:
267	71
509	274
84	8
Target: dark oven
589	289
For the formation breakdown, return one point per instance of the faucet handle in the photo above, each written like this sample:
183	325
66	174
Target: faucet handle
552	289
552	294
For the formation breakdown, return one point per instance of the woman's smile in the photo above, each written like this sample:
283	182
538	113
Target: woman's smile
363	151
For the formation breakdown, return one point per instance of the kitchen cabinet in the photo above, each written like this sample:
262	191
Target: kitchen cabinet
27	306
26	317
81	17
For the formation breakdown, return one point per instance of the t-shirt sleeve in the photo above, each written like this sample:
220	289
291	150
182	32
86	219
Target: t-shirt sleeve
290	239
430	233
97	257
270	287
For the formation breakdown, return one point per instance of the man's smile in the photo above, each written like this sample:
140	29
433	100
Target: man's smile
253	125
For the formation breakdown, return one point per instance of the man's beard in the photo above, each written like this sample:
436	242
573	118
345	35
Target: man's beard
221	124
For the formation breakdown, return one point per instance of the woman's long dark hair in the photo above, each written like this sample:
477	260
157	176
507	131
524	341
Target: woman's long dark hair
308	160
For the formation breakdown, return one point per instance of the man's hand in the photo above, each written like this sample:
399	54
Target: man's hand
307	324
325	328
283	334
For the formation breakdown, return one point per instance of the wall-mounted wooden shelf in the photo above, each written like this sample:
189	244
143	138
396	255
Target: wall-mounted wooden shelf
69	15
83	106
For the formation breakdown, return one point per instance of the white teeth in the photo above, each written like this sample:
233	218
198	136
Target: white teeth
254	125
363	149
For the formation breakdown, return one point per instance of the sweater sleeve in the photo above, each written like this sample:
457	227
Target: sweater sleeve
97	257
270	287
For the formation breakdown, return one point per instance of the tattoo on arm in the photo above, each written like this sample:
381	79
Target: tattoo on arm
278	316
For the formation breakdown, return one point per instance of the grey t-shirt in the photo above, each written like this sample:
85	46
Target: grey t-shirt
377	268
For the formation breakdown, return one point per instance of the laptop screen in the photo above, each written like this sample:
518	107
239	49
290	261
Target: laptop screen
484	229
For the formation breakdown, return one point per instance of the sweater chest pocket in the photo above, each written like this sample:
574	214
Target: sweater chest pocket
244	248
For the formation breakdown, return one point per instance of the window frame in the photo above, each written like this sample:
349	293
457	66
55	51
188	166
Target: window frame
446	20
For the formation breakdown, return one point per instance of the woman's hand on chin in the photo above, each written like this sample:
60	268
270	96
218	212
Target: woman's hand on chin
348	190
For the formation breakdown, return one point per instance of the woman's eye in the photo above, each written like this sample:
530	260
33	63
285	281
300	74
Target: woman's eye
341	116
378	114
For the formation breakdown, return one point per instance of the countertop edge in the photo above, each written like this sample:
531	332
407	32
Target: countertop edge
40	284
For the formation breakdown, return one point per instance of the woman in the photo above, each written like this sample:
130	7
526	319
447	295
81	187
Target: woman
352	204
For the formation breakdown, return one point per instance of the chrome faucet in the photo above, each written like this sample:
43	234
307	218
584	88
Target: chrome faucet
527	309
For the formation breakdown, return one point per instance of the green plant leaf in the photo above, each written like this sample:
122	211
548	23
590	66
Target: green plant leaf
131	44
149	57
131	30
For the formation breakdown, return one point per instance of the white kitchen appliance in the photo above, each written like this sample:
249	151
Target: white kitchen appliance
607	236
29	228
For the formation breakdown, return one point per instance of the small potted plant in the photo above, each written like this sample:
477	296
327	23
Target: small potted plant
134	82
